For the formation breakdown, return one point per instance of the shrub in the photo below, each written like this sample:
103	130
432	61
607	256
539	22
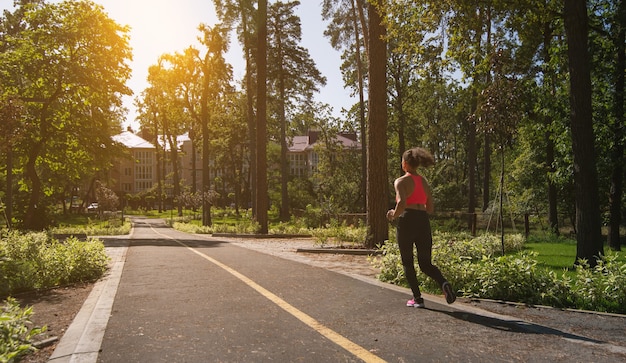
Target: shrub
602	288
469	264
339	234
509	277
35	261
15	336
107	227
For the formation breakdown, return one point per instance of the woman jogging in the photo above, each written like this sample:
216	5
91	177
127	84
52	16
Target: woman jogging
413	204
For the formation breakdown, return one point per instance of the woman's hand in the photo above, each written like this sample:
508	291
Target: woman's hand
390	214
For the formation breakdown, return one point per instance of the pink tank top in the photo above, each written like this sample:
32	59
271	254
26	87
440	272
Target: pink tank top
419	195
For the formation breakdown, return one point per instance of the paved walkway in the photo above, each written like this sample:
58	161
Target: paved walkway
176	297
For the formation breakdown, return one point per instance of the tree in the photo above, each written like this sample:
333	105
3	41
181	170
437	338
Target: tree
588	237
262	198
216	76
66	61
618	129
165	114
242	12
107	199
377	183
348	31
292	77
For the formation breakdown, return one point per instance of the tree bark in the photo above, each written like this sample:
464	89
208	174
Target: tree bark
617	155
471	166
250	112
262	199
553	218
362	121
588	238
377	188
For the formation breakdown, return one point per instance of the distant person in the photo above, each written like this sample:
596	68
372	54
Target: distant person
414	203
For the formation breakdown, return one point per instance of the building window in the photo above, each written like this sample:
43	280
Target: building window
315	160
143	170
297	164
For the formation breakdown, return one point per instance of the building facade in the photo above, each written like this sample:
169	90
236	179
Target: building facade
139	173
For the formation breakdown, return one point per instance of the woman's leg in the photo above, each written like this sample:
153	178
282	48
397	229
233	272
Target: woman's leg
424	244
405	239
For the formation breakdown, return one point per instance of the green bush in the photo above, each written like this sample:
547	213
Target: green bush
107	227
476	269
339	234
36	261
15	335
602	288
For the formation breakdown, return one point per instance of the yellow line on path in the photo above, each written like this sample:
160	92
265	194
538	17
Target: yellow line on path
333	336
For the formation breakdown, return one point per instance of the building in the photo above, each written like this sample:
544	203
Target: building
137	174
303	155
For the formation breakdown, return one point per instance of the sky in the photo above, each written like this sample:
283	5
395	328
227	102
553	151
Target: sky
168	26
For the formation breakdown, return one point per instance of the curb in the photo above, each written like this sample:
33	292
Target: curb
342	251
260	236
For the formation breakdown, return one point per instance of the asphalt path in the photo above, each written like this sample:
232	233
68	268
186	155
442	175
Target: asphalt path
178	297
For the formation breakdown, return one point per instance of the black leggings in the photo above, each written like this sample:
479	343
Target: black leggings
414	229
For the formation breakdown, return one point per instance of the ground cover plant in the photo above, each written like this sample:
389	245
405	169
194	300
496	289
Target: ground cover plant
15	334
477	268
38	261
108	224
333	233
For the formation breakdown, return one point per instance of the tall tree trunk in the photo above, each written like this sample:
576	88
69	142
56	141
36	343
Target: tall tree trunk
377	188
486	171
553	218
159	175
33	217
588	238
9	193
284	163
617	155
250	111
362	123
471	166
487	137
262	199
194	174
206	174
175	173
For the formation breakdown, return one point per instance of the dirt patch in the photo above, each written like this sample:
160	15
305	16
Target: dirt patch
56	310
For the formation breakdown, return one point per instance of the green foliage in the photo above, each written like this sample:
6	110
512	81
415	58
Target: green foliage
106	228
105	225
68	59
35	261
474	267
15	335
602	288
340	234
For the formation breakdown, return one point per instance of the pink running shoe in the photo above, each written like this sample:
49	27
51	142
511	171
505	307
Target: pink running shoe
417	303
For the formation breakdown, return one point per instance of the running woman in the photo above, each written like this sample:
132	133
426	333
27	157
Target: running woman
414	203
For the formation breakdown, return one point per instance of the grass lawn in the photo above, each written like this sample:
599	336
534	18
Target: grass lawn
559	256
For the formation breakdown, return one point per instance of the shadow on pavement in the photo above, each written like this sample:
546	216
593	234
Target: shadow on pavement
514	326
128	242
